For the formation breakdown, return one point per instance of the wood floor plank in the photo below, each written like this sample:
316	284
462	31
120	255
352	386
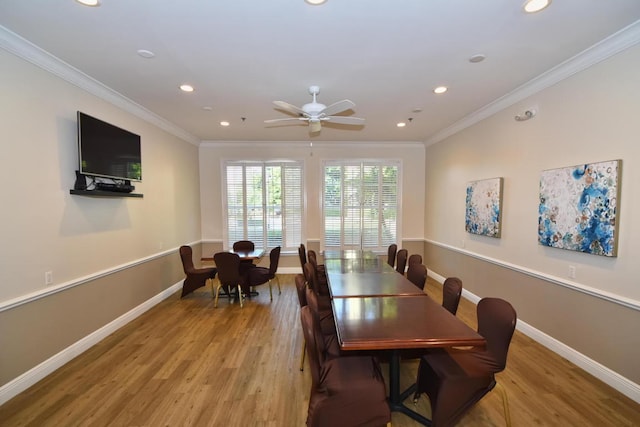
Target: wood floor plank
185	363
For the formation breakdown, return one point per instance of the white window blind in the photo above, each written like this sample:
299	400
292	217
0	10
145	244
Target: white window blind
360	204
264	203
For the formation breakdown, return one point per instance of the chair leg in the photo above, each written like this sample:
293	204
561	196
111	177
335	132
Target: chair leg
505	403
279	289
270	293
213	292
239	295
215	303
304	352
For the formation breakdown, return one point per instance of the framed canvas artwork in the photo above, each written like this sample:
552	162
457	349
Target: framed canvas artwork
484	207
578	208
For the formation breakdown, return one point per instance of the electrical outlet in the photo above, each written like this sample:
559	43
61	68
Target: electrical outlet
572	272
462	243
48	278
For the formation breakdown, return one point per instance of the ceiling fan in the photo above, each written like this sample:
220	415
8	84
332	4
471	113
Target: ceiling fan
315	113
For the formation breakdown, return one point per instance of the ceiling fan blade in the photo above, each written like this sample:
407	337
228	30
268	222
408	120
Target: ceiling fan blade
338	107
344	120
290	108
285	120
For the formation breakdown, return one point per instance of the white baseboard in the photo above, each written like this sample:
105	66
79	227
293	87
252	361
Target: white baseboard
604	374
32	376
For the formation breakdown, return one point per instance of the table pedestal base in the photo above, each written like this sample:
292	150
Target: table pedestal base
396	398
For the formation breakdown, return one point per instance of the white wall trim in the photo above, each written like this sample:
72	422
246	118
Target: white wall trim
42	293
598	293
604	374
26	50
32	376
617	42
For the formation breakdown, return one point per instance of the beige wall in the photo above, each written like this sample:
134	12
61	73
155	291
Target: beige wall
44	228
589	117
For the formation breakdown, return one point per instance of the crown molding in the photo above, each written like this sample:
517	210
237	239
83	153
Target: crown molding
315	144
22	48
616	43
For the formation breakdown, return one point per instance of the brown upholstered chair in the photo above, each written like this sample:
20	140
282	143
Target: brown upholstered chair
391	254
301	288
455	380
313	259
320	281
401	260
327	324
228	265
302	254
415	259
260	275
345	391
417	274
243	245
451	292
196	277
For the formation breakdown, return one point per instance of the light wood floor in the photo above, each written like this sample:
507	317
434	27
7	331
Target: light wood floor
184	363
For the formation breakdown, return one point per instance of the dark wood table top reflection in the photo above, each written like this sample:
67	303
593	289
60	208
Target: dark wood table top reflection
249	255
244	255
399	322
357	265
370	284
347	254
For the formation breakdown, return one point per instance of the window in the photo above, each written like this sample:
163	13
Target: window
360	204
263	203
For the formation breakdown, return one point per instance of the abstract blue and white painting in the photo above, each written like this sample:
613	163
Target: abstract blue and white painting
578	208
484	207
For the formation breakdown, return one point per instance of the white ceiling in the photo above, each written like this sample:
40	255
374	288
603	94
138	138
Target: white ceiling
386	56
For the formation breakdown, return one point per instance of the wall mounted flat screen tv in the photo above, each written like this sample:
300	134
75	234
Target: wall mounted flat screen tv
107	151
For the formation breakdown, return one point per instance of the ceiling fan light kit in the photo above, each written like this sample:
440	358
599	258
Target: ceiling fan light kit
314	113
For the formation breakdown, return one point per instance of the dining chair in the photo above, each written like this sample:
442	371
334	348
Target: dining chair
302	254
401	259
320	275
228	265
320	268
244	245
415	259
451	292
345	391
455	380
261	275
417	274
391	254
301	288
195	277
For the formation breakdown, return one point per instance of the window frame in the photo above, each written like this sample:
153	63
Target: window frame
361	162
263	164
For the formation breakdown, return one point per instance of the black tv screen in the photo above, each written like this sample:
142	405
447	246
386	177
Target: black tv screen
107	151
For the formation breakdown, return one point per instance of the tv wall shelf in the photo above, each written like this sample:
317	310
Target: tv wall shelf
99	193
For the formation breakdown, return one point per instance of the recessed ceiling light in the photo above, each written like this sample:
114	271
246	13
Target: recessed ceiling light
186	88
224	123
92	3
207	108
401	124
477	58
440	89
315	2
533	6
146	53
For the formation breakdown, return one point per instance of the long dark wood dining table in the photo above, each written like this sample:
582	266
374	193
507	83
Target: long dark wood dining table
377	309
